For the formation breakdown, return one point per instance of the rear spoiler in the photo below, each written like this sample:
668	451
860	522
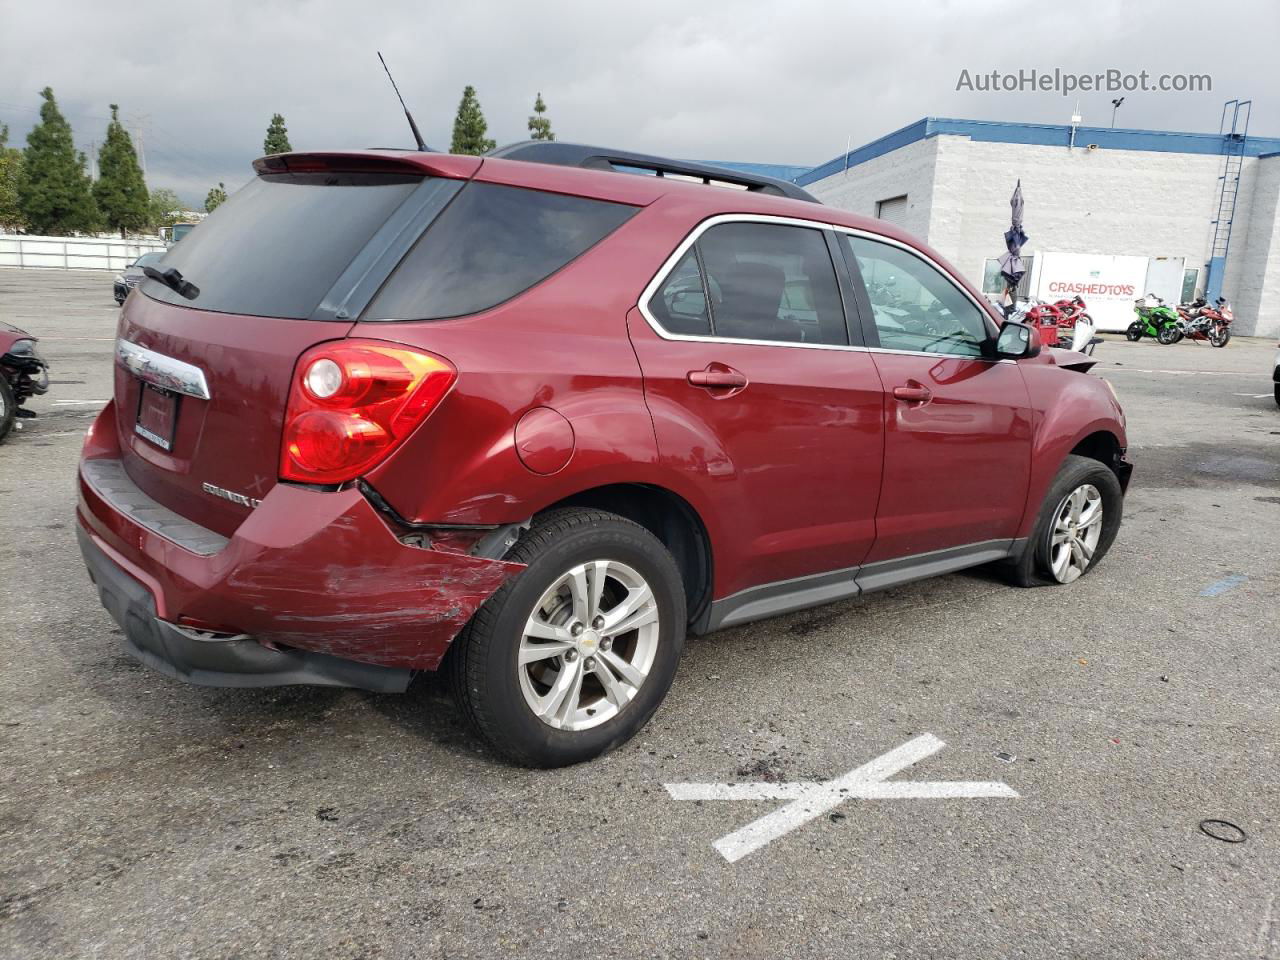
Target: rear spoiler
358	161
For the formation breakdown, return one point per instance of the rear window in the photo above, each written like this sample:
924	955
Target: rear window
276	247
490	244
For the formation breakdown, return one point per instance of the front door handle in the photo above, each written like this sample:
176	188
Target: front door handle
718	378
913	393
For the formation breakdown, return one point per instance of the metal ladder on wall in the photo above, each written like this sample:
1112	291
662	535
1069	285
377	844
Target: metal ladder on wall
1234	138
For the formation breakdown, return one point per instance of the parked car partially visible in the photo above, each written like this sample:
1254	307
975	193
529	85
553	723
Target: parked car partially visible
1275	373
132	275
23	374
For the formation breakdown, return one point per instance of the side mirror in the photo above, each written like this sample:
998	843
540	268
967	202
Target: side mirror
1017	341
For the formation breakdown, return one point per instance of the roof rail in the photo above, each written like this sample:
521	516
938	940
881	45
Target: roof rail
607	158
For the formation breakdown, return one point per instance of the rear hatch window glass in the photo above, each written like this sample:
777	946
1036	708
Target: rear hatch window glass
276	247
490	244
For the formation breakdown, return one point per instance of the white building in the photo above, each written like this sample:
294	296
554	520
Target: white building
1139	203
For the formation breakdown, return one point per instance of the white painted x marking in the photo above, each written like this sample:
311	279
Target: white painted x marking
810	800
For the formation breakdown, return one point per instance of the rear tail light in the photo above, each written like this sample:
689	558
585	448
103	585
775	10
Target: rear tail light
352	402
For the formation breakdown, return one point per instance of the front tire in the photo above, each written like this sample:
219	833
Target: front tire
1169	335
1077	524
571	658
1219	337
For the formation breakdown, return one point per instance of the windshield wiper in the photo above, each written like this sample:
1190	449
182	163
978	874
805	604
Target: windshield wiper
172	278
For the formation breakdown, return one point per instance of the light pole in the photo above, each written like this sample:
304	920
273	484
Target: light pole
1115	105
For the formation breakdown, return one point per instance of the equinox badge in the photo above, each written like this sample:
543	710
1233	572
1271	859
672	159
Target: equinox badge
231	495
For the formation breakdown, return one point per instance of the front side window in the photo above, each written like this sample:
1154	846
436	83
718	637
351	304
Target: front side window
914	305
490	244
765	281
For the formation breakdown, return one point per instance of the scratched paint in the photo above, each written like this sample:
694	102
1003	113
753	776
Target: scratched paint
810	800
1222	586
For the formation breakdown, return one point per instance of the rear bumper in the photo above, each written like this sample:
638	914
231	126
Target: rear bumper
308	573
226	662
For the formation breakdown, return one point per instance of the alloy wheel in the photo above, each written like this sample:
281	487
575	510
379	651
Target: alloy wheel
1076	530
588	645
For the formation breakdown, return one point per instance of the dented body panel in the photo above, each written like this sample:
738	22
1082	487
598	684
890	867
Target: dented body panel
316	570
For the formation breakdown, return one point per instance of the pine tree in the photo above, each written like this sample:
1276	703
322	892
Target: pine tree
277	136
165	209
121	192
469	126
215	197
540	126
54	191
11	218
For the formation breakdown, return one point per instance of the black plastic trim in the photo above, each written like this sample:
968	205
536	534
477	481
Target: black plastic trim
848	290
356	287
921	566
783	596
562	154
788	596
234	662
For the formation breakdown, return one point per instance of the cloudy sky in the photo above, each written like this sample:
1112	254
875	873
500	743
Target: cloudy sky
717	79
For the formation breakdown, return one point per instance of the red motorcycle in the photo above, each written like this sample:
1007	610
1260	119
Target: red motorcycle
1046	317
23	374
1199	321
1071	310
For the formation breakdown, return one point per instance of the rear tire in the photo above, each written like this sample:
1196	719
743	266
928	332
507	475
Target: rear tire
1134	332
1036	567
507	680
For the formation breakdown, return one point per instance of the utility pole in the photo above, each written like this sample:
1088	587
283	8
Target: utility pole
137	124
93	159
1115	105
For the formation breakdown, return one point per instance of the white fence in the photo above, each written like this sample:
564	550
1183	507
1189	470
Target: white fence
73	253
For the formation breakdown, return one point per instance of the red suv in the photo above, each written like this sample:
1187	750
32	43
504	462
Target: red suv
534	417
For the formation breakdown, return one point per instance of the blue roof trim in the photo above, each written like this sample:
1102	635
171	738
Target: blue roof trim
876	148
1039	134
779	171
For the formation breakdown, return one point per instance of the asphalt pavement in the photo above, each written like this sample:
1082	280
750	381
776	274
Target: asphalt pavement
1090	728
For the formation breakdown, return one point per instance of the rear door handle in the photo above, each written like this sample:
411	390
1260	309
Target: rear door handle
913	393
718	377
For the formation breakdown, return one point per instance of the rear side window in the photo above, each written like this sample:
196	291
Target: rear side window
681	304
490	244
276	247
765	281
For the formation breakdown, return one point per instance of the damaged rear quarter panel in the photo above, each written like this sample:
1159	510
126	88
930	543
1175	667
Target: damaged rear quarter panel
315	570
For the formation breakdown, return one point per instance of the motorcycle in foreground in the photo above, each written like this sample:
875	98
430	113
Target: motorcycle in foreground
23	374
1045	317
1154	319
1071	312
1066	317
1199	321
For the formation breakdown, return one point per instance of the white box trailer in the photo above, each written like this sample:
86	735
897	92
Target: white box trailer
1109	284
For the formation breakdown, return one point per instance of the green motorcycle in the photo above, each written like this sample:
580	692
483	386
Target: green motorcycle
1159	321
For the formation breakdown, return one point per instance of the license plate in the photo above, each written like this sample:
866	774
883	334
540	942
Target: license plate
157	416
